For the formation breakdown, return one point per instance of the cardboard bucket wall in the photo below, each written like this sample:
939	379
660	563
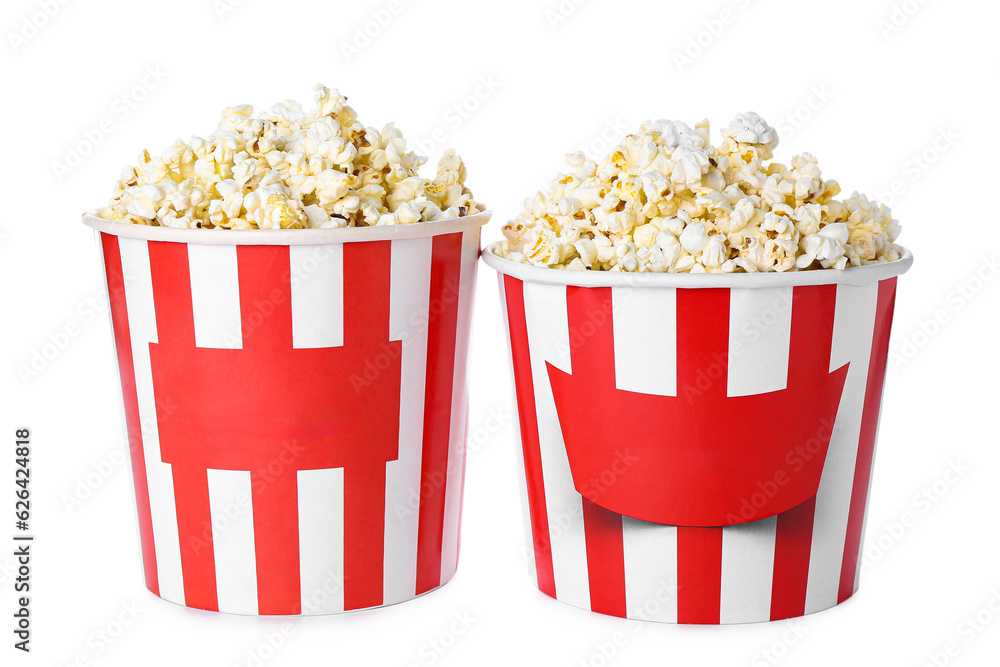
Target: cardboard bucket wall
296	409
698	448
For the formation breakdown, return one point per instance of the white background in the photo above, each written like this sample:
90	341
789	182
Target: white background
865	95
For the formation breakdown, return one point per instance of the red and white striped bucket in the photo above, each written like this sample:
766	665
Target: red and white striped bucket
296	407
698	448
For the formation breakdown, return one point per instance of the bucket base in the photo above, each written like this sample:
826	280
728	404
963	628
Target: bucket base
658	615
324	612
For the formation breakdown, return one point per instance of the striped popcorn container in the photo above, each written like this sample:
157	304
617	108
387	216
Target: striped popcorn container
698	448
296	408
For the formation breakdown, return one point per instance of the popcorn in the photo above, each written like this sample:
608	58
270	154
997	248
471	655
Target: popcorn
666	200
292	169
694	239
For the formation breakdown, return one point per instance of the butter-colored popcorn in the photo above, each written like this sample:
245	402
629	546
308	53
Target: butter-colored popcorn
826	246
666	200
292	169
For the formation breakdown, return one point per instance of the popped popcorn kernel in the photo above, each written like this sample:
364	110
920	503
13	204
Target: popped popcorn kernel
290	169
666	200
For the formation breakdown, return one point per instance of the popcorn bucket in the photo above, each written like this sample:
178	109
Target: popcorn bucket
296	409
698	448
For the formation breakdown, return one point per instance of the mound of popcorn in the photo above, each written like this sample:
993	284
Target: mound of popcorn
667	200
288	169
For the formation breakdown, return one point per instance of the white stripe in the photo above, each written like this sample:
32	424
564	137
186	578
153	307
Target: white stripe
747	571
159	476
215	296
861	544
760	322
853	328
650	570
645	326
528	543
459	406
760	325
409	294
317	276
124	417
321	540
548	340
229	494
868	498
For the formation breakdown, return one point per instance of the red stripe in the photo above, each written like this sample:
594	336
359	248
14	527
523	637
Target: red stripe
194	527
171	277
595	366
810	347
442	331
699	574
367	289
811	338
524	391
126	368
276	543
702	374
869	427
275	410
264	277
702	344
364	537
605	559
792	547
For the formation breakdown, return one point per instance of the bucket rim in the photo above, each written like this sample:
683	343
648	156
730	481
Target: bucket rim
287	237
856	275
